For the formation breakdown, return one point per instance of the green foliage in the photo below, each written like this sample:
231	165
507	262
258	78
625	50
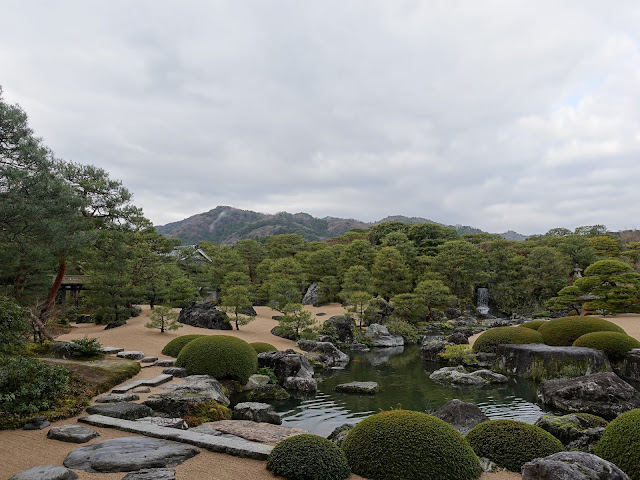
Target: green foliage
86	347
203	412
28	385
406	445
408	306
236	301
295	320
261	347
269	373
14	326
615	345
433	293
511	444
308	457
533	324
566	330
461	265
390	273
175	346
220	356
164	318
459	355
568	297
488	341
613	284
407	331
620	443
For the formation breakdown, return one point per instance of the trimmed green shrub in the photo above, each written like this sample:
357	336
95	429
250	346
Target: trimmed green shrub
533	324
28	385
488	341
511	444
615	345
175	346
406	445
86	347
220	356
261	347
407	331
562	332
14	326
620	443
308	457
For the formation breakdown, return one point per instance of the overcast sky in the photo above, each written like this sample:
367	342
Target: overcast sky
498	114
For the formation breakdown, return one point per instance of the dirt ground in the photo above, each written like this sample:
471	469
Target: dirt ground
21	449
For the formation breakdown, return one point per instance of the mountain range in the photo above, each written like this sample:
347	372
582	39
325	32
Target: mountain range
227	225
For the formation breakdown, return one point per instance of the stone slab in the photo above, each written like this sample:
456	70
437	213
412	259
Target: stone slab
46	472
148	359
168	362
111	350
117	397
358	387
253	431
152	474
72	433
125	410
238	447
131	354
146	382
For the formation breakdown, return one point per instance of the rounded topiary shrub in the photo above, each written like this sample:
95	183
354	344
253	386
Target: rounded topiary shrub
562	332
615	345
220	356
620	443
533	324
406	445
488	341
261	347
175	346
308	457
511	444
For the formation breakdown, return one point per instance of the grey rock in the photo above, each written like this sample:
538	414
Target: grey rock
588	441
117	397
458	338
286	364
571	466
542	362
152	474
311	297
168	362
195	389
303	384
256	381
489	376
124	410
131	355
452	313
204	315
146	382
461	415
340	433
489	466
256	412
603	394
128	454
369	388
72	433
141	390
324	353
177	372
178	423
343	325
64	349
204	385
46	472
570	428
430	351
380	337
459	376
630	369
148	359
111	350
36	423
380	356
359	347
268	392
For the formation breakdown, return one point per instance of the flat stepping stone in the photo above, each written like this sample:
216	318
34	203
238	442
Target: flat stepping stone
147	382
72	433
46	472
238	447
131	355
178	423
141	390
152	474
148	359
170	362
368	388
117	397
37	423
253	431
177	372
127	454
125	410
111	350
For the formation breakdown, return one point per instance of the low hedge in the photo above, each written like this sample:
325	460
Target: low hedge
175	346
261	347
615	345
511	444
221	356
308	457
488	341
562	332
533	324
620	443
407	445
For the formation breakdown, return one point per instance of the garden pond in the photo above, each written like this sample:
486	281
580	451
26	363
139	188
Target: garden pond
403	377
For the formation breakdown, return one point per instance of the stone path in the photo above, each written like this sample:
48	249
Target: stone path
147	382
228	444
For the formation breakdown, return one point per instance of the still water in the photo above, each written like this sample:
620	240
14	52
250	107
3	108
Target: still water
404	382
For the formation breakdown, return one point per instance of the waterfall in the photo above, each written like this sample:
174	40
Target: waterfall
483	301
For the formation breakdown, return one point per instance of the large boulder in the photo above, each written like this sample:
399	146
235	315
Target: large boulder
571	466
204	315
269	392
604	394
430	351
461	415
123	410
340	433
380	356
380	337
459	376
343	325
311	297
195	389
571	428
541	362
630	369
325	354
292	370
256	412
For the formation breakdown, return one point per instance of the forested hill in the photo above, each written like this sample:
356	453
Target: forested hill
227	225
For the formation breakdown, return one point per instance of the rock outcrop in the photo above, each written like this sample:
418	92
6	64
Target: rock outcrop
256	412
579	431
571	466
46	472
311	297
461	415
459	376
292	370
367	388
204	315
325	354
380	337
630	369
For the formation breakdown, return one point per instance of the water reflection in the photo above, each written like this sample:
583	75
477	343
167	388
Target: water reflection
404	382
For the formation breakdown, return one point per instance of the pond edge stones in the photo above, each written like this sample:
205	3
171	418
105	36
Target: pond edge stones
367	388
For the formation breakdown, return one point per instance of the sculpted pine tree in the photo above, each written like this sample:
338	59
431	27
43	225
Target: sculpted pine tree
614	286
390	273
164	318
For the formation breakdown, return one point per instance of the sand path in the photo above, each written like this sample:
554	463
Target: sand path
21	449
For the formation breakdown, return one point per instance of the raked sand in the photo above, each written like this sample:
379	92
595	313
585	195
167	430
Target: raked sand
21	449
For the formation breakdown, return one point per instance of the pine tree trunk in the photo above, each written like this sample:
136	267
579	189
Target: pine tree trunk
51	297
